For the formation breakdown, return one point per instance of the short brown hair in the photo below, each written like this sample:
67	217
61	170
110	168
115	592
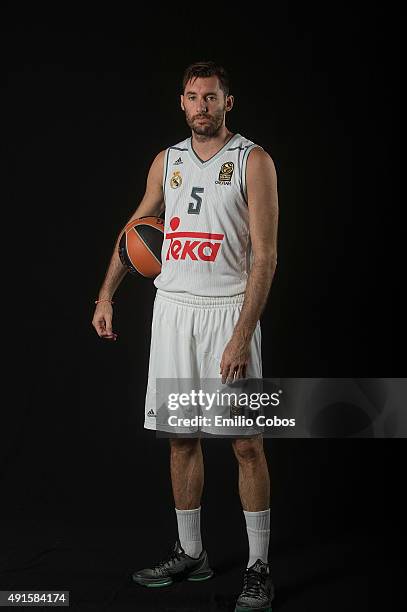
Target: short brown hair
207	69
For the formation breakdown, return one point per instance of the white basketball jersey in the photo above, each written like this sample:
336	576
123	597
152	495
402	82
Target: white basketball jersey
206	248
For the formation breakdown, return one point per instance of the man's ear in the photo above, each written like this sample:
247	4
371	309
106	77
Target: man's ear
182	102
229	103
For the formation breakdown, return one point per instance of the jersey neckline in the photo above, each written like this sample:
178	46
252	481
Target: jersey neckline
203	164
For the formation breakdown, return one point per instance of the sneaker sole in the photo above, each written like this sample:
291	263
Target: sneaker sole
237	609
157	584
200	577
170	581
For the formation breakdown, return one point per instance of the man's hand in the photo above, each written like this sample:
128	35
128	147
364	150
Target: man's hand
235	359
102	321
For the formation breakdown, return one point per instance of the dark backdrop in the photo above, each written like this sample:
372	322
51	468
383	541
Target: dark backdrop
92	97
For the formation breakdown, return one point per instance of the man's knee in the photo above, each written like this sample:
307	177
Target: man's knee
248	449
184	445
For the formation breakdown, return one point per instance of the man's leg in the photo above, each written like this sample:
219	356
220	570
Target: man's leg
254	490
187	477
190	561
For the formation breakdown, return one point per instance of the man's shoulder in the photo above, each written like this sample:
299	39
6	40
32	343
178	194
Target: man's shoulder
254	150
182	145
179	146
243	143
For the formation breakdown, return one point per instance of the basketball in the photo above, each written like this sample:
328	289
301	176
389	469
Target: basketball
140	246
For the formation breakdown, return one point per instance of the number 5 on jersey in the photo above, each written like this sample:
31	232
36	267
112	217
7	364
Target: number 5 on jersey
195	207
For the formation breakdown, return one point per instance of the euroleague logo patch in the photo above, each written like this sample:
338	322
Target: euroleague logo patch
176	179
203	246
225	174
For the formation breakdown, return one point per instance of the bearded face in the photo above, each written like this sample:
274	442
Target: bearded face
205	123
204	104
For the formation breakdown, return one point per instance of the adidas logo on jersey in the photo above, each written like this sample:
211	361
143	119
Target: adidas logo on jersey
178	161
151	413
204	246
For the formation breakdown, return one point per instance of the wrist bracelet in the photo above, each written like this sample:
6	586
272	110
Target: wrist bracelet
98	301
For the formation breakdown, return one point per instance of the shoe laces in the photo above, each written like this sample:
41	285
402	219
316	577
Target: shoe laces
164	565
253	584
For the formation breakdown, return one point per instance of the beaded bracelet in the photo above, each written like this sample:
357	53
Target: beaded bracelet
98	301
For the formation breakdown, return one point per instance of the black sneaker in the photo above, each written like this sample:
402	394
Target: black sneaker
258	589
178	566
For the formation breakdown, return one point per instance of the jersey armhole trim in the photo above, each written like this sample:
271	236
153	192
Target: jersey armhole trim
165	171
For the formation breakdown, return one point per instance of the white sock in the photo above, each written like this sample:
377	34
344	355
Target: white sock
189	531
258	532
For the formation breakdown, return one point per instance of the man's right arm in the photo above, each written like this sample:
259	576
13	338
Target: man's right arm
152	204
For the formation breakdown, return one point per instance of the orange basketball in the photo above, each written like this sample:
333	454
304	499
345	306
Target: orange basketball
140	246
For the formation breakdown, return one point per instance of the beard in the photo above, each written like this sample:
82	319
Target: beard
209	127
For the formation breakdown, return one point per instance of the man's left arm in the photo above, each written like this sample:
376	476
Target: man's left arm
262	198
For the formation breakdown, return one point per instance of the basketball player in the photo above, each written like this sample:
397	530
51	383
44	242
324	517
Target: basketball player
221	188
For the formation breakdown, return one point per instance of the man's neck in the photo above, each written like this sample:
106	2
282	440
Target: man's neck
207	146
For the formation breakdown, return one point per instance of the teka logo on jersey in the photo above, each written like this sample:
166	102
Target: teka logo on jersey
202	246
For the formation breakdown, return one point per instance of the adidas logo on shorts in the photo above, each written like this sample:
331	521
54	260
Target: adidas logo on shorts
151	413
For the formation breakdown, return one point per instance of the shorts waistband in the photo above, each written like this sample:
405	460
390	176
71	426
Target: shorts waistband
200	301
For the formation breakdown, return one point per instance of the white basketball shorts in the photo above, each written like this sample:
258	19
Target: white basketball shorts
188	337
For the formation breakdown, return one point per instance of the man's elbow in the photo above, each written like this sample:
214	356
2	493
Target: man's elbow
266	260
263	269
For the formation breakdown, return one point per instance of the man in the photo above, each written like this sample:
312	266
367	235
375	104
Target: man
221	189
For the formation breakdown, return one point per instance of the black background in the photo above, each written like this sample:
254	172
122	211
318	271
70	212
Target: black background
92	96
